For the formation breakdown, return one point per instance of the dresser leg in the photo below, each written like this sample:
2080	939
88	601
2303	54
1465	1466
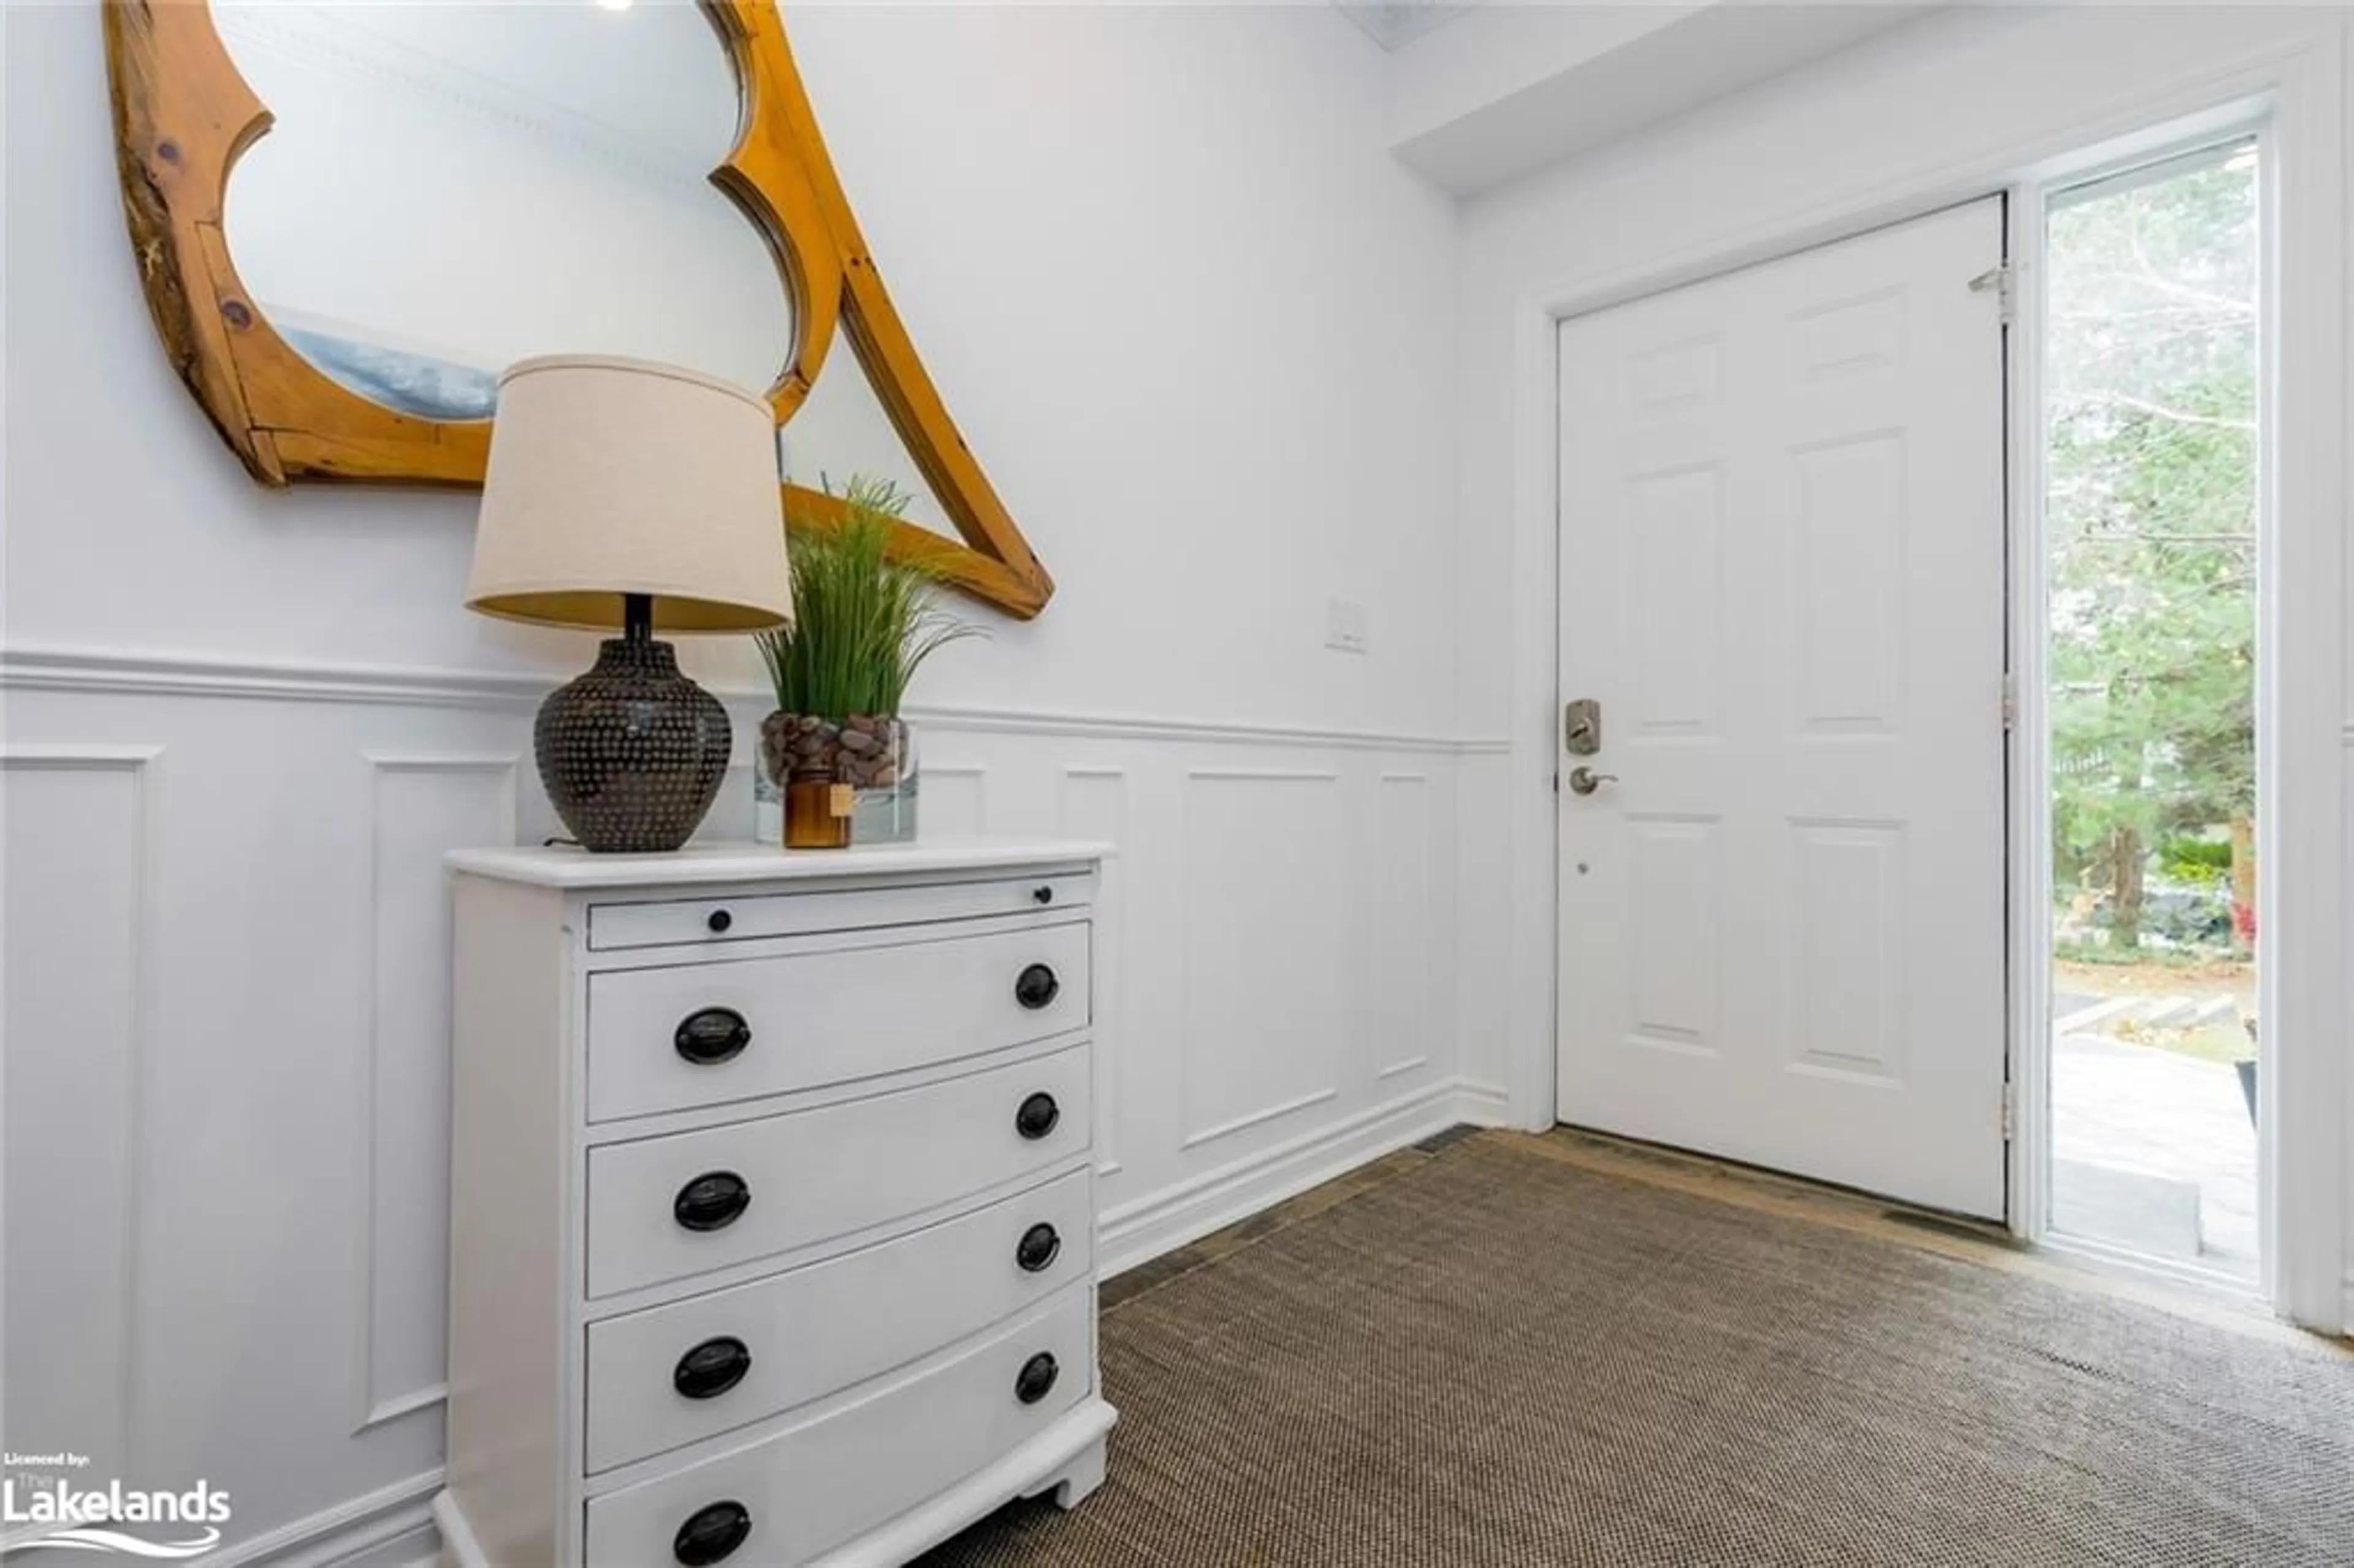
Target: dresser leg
1076	1479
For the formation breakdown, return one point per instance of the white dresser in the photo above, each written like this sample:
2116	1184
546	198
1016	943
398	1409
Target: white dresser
772	1235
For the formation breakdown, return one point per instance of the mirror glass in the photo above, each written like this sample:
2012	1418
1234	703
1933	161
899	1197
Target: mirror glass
449	187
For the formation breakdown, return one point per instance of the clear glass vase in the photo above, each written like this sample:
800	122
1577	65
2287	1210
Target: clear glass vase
883	778
810	761
767	808
885	812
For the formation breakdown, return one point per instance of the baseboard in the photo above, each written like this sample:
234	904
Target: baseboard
1141	1231
390	1528
1485	1105
457	1535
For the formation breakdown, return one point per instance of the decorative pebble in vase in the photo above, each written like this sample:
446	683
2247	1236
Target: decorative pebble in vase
885	780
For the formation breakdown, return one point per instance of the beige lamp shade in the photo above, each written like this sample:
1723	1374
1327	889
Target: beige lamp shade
616	476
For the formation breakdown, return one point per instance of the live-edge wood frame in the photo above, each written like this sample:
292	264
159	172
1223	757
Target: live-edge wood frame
183	116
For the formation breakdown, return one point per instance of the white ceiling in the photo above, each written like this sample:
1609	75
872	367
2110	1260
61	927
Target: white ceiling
1394	23
1504	88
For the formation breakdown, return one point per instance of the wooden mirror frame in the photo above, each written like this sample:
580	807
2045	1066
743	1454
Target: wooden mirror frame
183	116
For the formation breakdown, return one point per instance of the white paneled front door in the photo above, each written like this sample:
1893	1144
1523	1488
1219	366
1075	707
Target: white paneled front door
1781	540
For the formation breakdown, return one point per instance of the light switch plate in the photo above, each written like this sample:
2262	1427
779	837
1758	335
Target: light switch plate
1348	626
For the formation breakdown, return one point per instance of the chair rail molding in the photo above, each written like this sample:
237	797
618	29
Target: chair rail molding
146	673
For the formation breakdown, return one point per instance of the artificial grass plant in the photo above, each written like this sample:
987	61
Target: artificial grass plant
862	623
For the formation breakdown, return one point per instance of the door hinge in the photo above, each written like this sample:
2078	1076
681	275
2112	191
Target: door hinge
2009	1111
1996	280
2009	702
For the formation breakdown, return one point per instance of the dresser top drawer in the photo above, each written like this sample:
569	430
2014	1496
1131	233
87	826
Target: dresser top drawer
713	923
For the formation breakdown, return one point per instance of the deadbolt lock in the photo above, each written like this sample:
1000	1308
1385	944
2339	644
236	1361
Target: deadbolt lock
1581	726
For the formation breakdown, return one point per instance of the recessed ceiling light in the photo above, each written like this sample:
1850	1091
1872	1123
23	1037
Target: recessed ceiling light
611	5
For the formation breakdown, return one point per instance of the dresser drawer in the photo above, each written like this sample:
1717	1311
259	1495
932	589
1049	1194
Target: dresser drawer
665	1208
811	1487
673	1375
706	1033
713	921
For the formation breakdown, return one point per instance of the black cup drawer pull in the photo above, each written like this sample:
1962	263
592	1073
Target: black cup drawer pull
1038	1115
712	1035
711	1534
1038	1249
712	1368
1036	986
1036	1379
711	1201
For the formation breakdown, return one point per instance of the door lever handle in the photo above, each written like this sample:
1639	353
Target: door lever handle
1583	781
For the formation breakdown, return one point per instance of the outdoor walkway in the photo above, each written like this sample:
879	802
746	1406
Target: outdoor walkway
2153	1151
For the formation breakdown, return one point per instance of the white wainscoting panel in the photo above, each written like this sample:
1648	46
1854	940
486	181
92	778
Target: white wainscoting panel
1405	925
1481	866
955	797
730	818
1095	806
420	806
227	1019
80	854
1269	998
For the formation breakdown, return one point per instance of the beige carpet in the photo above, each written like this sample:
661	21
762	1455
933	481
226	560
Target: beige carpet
1498	1357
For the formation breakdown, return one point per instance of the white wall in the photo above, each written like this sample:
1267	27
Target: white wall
1197	325
1193	319
1950	106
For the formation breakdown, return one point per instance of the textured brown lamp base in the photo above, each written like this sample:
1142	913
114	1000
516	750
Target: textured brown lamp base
633	752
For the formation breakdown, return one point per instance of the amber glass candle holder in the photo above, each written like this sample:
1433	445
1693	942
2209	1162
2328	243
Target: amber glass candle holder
818	811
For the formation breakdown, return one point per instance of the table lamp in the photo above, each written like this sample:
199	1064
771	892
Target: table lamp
623	493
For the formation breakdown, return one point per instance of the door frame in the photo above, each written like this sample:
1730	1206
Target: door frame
2031	1045
2297	94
